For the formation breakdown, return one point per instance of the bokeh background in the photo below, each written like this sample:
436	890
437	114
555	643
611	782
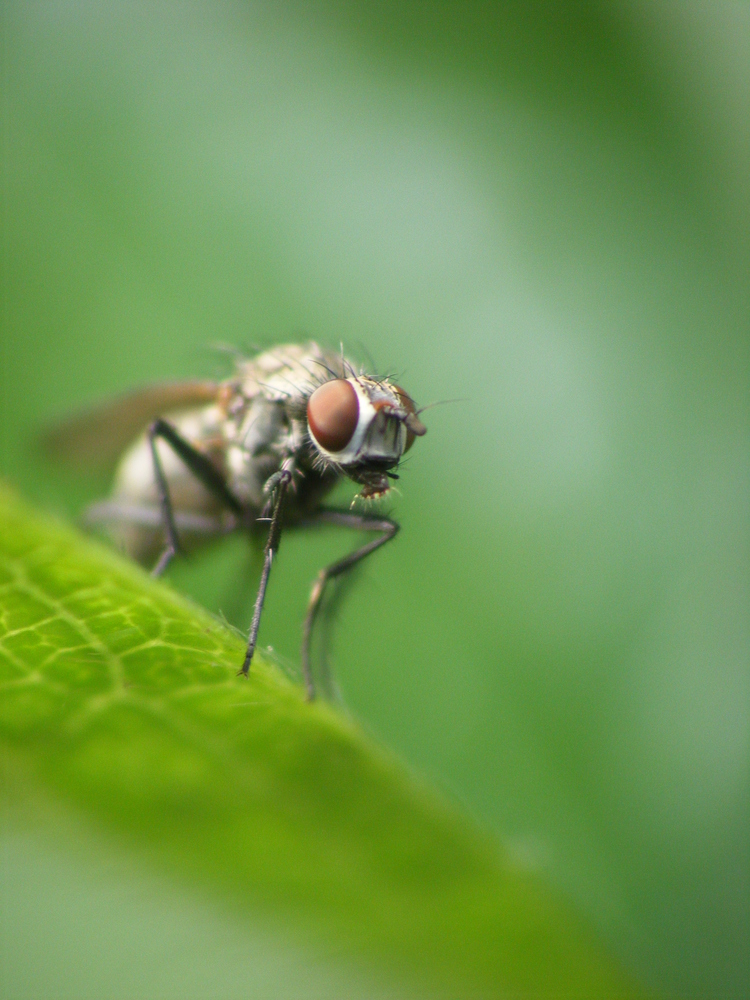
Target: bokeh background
541	209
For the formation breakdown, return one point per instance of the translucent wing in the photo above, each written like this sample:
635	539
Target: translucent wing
97	437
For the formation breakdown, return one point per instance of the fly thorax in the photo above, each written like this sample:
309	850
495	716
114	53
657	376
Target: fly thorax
257	442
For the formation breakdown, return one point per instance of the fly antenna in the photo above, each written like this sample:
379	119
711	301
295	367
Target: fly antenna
441	402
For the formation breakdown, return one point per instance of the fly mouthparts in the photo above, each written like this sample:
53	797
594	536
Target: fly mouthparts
415	425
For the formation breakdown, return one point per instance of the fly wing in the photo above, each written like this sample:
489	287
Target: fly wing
97	437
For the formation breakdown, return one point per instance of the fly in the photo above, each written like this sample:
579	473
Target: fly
257	452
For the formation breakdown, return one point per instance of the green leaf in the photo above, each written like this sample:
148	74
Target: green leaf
122	701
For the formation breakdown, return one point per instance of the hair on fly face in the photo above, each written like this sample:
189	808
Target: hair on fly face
366	502
364	352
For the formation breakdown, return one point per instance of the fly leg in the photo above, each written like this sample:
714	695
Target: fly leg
360	522
144	515
280	482
202	468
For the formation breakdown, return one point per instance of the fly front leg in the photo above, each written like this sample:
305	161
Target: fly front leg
204	471
279	485
360	522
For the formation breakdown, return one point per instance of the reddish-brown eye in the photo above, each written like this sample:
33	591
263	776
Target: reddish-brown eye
333	413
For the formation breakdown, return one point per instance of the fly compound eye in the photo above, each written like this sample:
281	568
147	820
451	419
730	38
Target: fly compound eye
333	414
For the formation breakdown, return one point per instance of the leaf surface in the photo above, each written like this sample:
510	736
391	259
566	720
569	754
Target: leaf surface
121	700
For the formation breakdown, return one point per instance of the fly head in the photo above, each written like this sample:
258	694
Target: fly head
362	426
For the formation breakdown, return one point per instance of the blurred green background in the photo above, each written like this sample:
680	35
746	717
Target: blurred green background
543	209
